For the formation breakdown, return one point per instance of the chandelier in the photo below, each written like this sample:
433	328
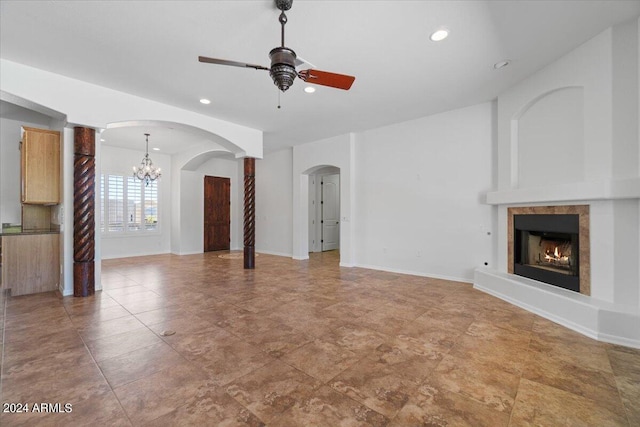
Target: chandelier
146	171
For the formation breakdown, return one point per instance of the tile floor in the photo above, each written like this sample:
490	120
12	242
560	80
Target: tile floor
302	343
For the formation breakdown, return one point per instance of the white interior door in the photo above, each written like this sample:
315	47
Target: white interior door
330	212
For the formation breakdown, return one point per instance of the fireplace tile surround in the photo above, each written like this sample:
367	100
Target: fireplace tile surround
584	240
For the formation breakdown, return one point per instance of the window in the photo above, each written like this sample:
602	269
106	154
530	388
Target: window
128	206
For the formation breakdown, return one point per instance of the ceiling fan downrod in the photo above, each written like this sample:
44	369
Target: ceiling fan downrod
283	60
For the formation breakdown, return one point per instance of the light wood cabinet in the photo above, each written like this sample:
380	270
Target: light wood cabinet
30	263
40	166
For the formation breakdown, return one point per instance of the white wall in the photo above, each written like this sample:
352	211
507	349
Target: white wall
117	160
191	213
418	195
407	188
274	203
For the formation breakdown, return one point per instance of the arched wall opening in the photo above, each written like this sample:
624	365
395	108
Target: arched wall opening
336	152
185	154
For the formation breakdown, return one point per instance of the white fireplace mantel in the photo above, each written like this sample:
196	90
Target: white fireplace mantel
582	191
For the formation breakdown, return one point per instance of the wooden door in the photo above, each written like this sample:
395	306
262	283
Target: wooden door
217	213
330	212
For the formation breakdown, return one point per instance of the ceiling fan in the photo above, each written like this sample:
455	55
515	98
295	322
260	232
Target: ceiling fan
283	63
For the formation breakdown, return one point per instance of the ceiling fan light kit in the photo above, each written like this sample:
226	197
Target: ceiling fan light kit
283	63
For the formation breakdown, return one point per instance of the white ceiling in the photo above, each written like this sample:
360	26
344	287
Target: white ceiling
150	48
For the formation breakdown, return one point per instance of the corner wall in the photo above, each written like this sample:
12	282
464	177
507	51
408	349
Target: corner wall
419	188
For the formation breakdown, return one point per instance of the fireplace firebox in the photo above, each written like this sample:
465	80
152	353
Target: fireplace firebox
546	248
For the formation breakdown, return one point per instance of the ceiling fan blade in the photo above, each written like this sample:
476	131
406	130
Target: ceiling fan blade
325	78
231	63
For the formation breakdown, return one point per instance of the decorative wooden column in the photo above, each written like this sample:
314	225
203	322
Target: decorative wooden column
249	212
84	172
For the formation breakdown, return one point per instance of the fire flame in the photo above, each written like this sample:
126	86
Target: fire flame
556	256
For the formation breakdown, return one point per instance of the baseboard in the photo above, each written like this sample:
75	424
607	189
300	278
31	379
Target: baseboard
614	339
187	253
412	273
260	251
133	255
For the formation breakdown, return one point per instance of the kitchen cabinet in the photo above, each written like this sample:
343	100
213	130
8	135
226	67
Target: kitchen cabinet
40	166
30	262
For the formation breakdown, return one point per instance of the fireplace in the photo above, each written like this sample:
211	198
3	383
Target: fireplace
550	244
546	248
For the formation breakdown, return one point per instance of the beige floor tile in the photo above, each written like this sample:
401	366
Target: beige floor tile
430	406
118	344
302	343
210	406
160	393
539	404
376	386
272	389
321	359
129	367
495	388
326	407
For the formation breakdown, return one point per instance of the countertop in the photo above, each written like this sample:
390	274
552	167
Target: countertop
17	231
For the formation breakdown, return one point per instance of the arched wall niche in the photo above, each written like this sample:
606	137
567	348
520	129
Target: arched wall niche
547	139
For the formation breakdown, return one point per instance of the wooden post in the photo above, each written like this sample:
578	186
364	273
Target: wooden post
84	172
249	212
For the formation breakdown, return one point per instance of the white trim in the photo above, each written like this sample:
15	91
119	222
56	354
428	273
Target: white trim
287	255
134	254
586	191
614	339
413	273
185	253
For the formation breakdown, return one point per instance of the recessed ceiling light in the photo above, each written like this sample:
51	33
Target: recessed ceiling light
156	149
205	101
501	64
309	89
439	35
101	139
